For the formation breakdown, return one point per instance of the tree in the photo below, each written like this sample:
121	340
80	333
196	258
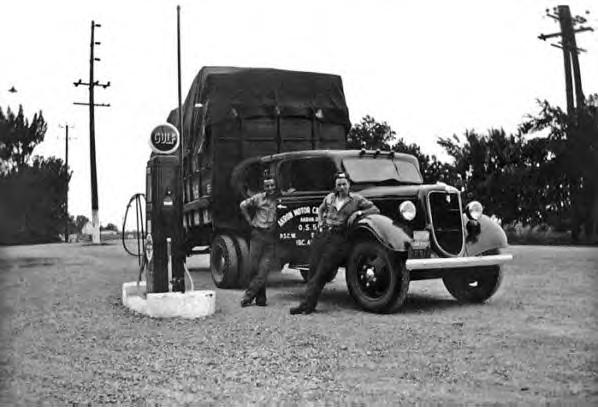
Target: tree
33	189
549	180
572	164
499	170
371	135
33	211
18	137
72	226
109	226
80	222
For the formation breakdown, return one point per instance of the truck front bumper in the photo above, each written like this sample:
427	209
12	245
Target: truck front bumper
457	262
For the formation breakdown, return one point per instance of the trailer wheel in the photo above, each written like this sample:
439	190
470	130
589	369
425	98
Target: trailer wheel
377	279
244	277
224	262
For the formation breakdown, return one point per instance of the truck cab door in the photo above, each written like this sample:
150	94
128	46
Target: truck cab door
297	225
303	180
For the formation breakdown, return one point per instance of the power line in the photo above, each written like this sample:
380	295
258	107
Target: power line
92	143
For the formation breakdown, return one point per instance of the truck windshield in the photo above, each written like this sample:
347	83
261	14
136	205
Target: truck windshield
382	170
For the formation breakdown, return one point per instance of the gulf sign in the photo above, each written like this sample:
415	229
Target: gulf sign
165	139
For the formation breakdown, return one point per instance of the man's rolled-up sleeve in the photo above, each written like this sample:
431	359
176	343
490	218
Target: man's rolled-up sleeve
365	203
249	202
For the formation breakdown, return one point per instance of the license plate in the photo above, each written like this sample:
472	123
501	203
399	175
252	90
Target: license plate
421	240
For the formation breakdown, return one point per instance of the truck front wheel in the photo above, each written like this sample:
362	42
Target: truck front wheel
474	285
376	278
224	262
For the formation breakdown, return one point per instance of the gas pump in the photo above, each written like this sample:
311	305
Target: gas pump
164	238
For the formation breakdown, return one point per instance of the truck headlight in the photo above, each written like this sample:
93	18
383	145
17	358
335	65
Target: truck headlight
407	210
474	210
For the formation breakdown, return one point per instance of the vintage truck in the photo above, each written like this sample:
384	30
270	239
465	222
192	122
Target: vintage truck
240	123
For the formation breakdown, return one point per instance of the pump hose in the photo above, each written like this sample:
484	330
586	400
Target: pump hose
140	225
189	276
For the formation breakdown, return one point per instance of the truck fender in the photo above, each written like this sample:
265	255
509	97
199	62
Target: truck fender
384	230
491	236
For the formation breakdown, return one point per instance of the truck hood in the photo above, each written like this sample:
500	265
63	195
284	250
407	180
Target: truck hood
401	191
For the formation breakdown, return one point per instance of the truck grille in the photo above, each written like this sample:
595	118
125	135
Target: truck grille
447	225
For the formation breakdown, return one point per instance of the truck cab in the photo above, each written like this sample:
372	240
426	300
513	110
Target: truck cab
424	231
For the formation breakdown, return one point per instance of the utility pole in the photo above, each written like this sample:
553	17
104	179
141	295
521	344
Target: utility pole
570	54
181	126
575	97
92	141
66	160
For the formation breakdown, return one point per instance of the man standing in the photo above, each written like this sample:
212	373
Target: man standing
330	247
261	245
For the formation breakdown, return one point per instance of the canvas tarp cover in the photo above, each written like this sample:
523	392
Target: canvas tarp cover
230	93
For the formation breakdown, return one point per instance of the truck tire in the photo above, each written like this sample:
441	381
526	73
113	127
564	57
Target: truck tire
224	262
474	285
244	265
377	279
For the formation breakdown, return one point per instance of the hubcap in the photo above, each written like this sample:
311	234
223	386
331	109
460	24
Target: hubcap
372	275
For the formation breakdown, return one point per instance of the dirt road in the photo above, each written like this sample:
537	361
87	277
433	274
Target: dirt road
66	338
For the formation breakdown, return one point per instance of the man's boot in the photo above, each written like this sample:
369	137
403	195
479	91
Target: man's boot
301	309
246	301
260	298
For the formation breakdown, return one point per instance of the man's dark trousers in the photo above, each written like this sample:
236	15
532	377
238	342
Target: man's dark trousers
328	251
261	258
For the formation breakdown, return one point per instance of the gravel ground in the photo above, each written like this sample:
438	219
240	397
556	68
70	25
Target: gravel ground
65	338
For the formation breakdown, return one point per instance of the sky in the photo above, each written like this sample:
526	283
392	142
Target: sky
428	68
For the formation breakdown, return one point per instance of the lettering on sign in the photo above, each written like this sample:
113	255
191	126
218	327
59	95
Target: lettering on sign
302	210
161	137
300	225
302	242
165	139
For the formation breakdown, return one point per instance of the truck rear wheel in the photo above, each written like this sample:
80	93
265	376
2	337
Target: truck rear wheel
377	280
244	277
474	285
224	262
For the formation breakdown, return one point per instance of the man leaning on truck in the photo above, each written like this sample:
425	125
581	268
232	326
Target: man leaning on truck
261	245
337	212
